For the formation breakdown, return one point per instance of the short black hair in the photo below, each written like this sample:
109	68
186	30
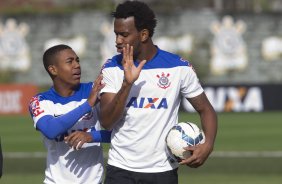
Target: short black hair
144	16
49	55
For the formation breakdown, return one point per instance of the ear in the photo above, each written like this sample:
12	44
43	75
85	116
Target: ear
144	35
52	69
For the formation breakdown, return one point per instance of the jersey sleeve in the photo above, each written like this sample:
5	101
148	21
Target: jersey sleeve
111	79
101	135
51	126
38	107
190	85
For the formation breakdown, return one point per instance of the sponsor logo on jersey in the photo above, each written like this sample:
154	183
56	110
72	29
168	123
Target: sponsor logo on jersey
153	103
88	116
163	80
35	107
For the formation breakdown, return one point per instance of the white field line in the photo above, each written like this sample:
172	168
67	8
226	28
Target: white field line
215	154
247	154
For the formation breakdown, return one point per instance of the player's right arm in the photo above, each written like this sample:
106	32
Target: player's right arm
209	124
51	126
113	104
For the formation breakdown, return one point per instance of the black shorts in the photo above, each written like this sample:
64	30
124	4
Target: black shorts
115	175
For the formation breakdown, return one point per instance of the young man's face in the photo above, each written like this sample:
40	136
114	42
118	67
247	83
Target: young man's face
67	68
126	33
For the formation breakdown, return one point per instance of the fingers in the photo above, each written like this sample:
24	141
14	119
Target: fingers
76	139
141	64
127	60
130	55
190	148
197	157
99	84
78	145
98	79
131	71
192	161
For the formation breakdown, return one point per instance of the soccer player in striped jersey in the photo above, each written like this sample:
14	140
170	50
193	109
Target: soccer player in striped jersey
141	99
67	117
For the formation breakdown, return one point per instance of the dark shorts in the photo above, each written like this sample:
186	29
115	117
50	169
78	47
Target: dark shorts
115	175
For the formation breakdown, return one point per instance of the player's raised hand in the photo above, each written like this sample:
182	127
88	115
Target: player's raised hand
98	85
199	154
131	72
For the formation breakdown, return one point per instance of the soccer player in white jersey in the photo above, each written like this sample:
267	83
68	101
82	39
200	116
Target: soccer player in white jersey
141	99
66	115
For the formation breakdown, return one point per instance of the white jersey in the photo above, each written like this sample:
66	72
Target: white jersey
64	164
138	139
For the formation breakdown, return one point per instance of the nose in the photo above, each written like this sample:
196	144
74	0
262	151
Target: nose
76	64
119	39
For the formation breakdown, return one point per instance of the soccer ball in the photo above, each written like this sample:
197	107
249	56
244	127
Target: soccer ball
183	135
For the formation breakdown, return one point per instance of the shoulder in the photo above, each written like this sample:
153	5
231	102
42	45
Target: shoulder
170	60
113	62
177	60
42	96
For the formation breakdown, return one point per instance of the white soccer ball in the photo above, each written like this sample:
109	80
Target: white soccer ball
182	135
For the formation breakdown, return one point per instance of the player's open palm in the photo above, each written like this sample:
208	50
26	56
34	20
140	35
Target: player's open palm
131	72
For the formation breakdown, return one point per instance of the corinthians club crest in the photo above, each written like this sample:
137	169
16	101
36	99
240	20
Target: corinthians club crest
163	80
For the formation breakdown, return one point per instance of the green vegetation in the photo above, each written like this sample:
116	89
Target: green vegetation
237	132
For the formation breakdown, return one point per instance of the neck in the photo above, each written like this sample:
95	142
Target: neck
148	51
64	90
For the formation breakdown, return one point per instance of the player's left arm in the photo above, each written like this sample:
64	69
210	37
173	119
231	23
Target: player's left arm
209	125
78	138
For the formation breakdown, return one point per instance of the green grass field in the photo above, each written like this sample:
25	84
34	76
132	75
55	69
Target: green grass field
249	143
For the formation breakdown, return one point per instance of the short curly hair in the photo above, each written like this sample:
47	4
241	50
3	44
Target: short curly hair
50	54
144	16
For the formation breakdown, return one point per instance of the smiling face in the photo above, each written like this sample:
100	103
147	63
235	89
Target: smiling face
126	33
65	70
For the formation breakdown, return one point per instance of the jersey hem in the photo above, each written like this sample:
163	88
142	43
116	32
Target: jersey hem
145	170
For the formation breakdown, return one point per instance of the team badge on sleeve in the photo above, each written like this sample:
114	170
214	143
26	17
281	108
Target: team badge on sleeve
164	81
35	107
188	64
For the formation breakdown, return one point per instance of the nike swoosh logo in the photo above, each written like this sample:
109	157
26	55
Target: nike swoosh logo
57	115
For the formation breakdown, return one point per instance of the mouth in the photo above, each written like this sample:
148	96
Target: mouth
77	75
119	48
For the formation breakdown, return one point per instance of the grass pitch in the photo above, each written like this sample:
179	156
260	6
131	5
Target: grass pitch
237	132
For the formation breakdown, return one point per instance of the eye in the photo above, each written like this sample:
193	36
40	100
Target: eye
122	34
69	61
125	34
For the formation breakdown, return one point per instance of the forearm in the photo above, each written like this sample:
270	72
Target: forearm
51	126
101	136
112	110
209	125
208	117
